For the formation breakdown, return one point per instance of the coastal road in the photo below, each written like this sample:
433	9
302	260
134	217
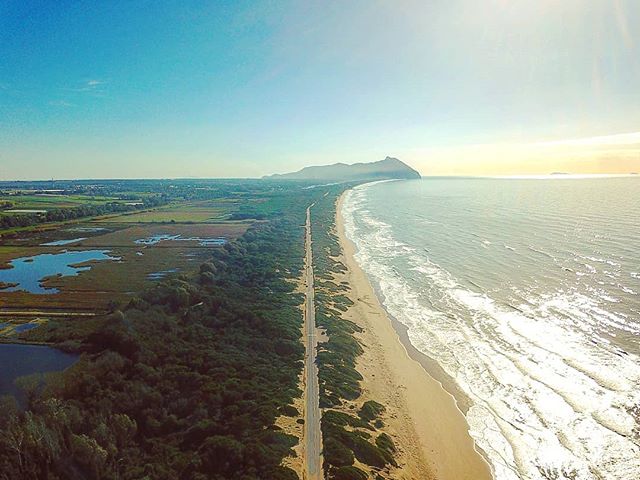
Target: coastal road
312	432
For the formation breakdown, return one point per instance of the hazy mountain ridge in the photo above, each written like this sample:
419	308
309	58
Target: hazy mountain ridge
382	169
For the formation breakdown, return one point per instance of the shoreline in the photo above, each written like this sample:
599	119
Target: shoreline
423	418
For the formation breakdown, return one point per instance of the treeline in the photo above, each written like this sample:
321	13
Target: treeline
346	436
63	214
184	382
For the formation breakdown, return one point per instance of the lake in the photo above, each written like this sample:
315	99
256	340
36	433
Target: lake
20	360
29	272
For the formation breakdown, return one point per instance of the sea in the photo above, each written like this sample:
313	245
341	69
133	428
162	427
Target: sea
526	291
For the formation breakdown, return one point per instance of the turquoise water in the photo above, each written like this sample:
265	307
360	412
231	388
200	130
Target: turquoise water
29	272
526	292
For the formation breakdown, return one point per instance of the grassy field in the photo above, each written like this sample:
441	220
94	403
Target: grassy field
174	214
196	212
116	281
47	202
7	253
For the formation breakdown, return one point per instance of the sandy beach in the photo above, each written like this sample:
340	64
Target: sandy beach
422	417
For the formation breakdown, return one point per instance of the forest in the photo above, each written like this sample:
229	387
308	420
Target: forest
186	380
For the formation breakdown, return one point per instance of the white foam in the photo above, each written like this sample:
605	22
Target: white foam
549	401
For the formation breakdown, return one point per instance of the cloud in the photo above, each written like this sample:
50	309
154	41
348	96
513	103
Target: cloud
90	86
617	153
619	139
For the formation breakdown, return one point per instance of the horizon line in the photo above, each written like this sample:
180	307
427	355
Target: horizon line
553	175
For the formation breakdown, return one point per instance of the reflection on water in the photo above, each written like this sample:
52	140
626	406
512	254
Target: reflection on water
202	241
88	229
156	239
27	273
160	275
59	243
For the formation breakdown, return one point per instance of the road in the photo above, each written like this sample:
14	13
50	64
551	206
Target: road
312	432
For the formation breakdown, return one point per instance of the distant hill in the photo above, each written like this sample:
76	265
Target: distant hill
384	169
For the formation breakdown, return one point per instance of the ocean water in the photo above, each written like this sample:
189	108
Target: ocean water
527	293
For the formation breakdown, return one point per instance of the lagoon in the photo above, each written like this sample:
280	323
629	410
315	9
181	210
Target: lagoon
202	241
20	360
28	272
161	275
58	243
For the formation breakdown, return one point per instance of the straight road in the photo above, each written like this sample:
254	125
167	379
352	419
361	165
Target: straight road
312	432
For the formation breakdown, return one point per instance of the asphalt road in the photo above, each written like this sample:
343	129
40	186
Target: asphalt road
312	432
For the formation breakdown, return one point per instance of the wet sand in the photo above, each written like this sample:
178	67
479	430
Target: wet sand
424	420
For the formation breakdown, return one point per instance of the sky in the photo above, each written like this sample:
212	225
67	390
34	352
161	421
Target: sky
163	89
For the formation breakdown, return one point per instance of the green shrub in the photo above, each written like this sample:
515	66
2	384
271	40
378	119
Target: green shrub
289	411
385	442
336	453
370	410
348	473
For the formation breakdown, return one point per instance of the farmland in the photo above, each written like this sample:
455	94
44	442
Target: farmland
44	201
192	212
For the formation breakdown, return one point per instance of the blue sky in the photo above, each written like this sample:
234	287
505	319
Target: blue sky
207	89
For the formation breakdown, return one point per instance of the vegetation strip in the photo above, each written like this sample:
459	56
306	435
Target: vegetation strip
354	449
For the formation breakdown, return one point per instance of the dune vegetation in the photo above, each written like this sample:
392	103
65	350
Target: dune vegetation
350	426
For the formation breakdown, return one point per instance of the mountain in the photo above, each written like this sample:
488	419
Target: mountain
384	169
